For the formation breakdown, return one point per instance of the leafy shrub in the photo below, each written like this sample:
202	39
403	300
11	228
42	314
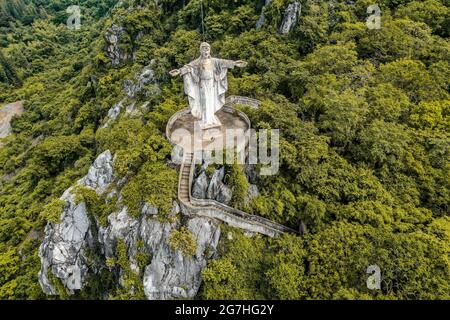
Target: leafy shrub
184	241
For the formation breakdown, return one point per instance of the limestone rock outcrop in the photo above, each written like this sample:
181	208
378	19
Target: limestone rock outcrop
214	188
113	113
113	51
171	274
168	275
177	155
252	192
63	251
100	174
262	17
200	186
291	14
217	190
144	77
6	114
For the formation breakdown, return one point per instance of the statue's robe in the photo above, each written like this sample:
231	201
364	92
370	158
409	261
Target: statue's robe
206	88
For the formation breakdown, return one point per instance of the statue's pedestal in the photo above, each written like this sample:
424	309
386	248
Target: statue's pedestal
185	130
210	126
212	134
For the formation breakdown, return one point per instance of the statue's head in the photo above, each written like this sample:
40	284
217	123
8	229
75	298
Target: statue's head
205	50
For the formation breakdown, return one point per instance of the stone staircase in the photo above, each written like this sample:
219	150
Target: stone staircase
214	209
184	185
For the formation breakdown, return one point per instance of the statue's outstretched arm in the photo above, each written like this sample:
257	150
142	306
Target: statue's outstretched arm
182	71
240	63
230	64
175	72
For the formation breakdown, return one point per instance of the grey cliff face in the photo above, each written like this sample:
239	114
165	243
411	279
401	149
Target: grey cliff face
121	226
290	18
171	274
217	190
200	186
214	189
262	17
100	174
143	80
146	76
6	114
168	275
63	251
113	51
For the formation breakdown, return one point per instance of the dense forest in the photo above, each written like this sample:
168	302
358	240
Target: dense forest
364	118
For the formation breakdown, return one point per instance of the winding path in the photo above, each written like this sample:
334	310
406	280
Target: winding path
217	210
211	208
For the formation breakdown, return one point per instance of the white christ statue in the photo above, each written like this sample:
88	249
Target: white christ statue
205	84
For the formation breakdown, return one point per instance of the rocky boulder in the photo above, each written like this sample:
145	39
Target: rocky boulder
262	17
113	50
217	190
147	75
177	155
214	188
113	113
100	174
290	18
6	114
200	186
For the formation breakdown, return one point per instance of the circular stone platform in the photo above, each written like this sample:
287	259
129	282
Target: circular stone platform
183	130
